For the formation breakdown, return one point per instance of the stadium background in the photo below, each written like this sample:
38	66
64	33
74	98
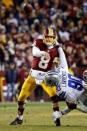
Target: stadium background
18	31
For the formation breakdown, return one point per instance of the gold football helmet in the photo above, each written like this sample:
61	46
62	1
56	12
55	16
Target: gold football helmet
50	36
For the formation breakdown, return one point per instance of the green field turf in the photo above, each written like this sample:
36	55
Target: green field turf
37	117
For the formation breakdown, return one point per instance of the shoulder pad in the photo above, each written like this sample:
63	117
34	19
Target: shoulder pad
39	43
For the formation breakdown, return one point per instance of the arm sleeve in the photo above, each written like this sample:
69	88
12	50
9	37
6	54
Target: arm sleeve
36	52
63	61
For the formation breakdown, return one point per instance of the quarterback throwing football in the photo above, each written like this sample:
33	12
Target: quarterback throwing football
44	51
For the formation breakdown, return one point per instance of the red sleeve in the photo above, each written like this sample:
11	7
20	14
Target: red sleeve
39	43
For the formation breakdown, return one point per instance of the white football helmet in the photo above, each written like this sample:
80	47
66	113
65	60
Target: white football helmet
51	79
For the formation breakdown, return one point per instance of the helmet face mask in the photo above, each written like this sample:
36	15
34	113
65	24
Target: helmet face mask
49	37
51	80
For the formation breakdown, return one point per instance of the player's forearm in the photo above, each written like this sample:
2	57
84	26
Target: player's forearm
62	57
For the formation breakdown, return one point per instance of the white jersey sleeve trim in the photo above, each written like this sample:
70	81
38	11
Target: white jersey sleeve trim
63	61
36	52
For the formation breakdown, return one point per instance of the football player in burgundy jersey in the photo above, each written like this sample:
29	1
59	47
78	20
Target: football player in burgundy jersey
44	51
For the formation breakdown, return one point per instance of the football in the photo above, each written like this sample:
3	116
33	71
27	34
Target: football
28	8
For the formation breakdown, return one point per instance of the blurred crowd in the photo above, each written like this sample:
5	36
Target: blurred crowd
18	30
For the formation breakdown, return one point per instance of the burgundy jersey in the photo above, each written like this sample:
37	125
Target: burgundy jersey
38	63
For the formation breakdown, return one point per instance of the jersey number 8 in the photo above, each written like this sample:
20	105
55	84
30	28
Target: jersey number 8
43	62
